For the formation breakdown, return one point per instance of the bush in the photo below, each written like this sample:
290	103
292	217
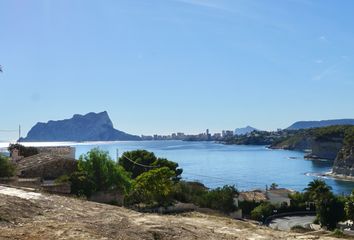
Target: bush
62	179
7	169
98	172
189	192
221	199
338	233
248	206
152	188
263	211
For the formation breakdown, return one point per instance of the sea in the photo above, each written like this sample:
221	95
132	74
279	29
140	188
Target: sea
215	164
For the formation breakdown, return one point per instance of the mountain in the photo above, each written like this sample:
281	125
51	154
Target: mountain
317	124
245	130
89	127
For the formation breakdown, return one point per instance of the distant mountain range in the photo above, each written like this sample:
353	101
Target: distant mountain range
317	124
89	127
245	130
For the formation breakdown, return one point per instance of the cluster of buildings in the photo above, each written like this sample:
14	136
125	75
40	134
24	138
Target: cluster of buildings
205	136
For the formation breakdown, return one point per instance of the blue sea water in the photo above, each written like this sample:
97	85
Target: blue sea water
246	167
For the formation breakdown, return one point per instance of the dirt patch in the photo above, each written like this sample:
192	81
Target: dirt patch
57	217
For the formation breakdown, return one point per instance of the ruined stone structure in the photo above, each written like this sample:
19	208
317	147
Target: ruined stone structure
64	151
46	166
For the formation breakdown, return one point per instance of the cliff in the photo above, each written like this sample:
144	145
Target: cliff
344	163
322	143
325	149
89	127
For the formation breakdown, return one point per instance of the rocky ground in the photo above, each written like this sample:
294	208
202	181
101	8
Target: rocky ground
28	215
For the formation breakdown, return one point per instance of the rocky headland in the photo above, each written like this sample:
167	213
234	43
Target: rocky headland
89	127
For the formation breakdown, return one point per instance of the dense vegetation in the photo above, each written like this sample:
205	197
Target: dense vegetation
22	150
341	133
98	172
144	180
6	167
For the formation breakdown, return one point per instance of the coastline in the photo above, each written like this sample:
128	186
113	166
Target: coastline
339	176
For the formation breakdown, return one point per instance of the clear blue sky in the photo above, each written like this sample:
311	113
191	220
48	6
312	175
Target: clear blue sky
162	66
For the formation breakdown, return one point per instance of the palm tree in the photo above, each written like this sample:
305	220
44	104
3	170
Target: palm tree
318	190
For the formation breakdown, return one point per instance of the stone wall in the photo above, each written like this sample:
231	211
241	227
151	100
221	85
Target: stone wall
64	151
108	197
64	188
53	168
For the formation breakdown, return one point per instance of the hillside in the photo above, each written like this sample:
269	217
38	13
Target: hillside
41	216
318	124
89	127
323	142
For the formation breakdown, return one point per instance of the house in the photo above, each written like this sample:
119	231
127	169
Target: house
250	196
279	196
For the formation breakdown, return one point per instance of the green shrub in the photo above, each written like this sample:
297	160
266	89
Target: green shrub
263	211
221	199
153	188
98	172
189	192
338	233
7	169
62	179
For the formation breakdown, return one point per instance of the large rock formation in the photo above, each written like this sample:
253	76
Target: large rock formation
344	163
89	127
245	130
317	124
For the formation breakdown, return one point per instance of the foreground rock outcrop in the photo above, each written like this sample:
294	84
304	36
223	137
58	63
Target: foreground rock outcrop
41	216
89	127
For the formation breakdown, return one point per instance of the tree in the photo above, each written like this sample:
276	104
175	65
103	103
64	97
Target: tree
330	212
98	172
153	187
274	186
329	208
140	161
349	206
6	167
317	190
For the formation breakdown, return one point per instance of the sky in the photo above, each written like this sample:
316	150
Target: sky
162	66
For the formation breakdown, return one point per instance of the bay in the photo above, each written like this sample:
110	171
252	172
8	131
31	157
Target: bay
213	164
